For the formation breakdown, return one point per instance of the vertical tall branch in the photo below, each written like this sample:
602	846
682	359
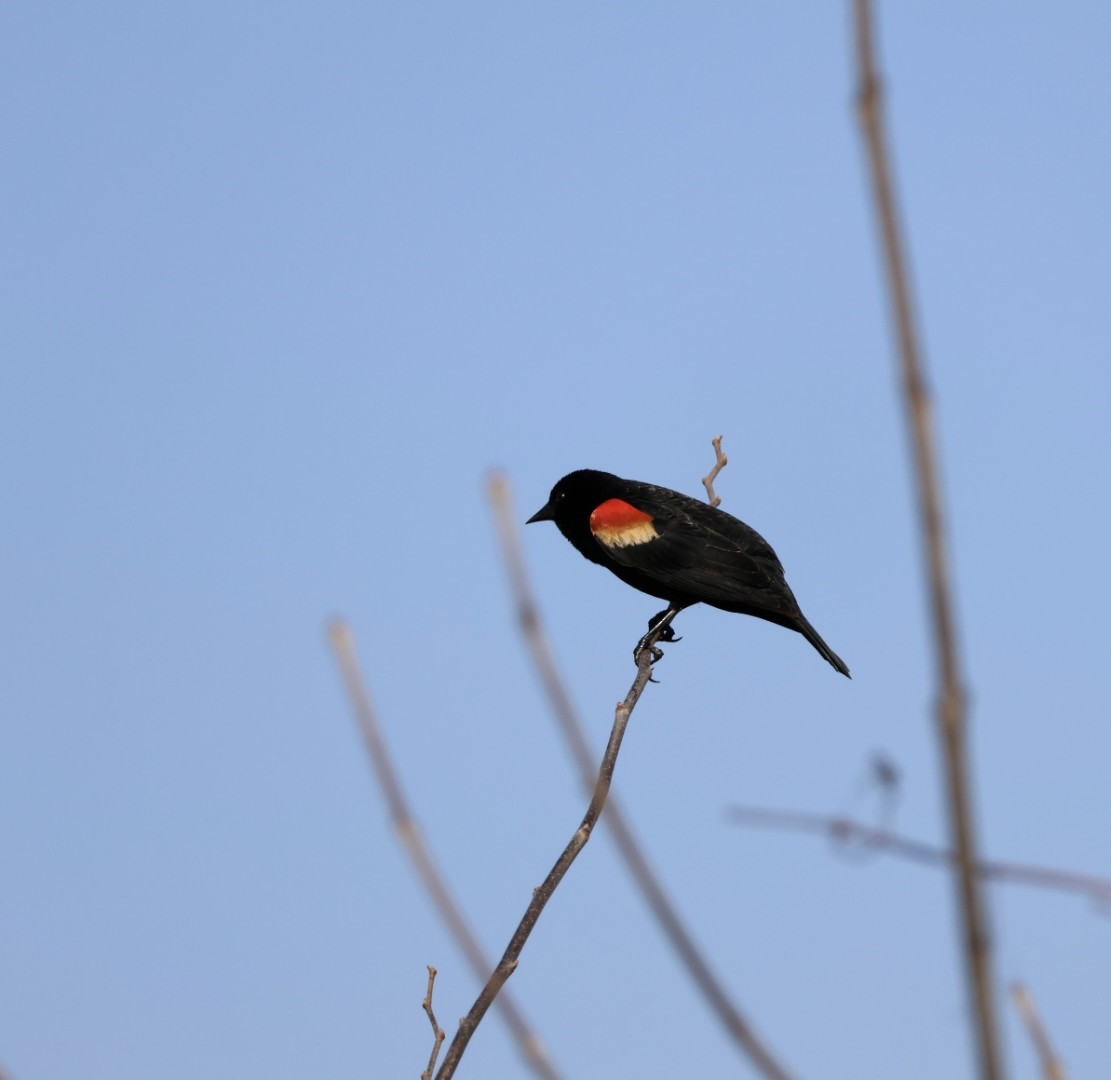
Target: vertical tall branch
951	708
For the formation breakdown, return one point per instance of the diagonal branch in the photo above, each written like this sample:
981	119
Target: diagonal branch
845	830
951	710
1049	1061
339	637
540	897
570	726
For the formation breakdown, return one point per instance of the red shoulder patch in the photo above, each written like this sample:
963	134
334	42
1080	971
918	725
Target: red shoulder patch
617	524
616	514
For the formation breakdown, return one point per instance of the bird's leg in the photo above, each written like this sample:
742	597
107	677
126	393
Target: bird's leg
660	627
668	632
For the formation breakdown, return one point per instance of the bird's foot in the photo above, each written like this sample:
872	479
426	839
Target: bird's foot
643	647
656	633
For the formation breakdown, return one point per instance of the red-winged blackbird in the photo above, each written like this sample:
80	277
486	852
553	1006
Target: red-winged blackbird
677	548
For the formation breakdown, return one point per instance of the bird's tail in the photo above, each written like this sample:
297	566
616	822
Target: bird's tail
815	639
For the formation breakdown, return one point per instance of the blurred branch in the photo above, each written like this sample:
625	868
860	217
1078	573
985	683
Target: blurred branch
845	830
951	710
720	461
1050	1063
628	846
540	897
437	1031
339	636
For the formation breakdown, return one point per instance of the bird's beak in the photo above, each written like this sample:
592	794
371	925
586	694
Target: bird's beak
545	513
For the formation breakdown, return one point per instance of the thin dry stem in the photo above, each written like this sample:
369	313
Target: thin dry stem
437	1031
339	636
1051	1065
720	461
950	691
570	725
845	830
540	897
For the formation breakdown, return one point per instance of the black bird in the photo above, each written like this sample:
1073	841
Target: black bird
677	548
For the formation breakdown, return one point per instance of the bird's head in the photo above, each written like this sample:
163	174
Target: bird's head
575	496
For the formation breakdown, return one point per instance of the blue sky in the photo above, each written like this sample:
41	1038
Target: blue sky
283	283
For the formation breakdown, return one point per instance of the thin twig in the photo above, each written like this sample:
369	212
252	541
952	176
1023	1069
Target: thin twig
571	727
339	636
845	830
540	897
951	708
719	463
1051	1065
437	1031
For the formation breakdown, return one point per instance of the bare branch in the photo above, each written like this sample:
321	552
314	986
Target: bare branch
719	463
1050	1063
437	1031
951	708
339	636
845	830
540	897
571	728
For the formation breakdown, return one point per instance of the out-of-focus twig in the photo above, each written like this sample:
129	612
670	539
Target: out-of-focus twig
570	726
708	480
437	1031
951	710
540	897
339	636
1050	1063
845	830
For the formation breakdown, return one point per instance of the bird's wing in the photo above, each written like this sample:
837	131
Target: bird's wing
709	555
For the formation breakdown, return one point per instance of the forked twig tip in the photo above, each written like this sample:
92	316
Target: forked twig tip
437	1031
720	461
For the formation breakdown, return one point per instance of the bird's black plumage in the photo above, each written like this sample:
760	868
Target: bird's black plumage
682	550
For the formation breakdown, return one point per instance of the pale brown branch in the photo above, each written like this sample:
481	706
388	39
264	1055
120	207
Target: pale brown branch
845	830
1024	1003
951	708
571	727
437	1031
720	461
540	897
339	636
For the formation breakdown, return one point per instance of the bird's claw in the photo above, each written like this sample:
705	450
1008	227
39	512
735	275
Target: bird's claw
654	654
